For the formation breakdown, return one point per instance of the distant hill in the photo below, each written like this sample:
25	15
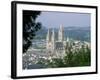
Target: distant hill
77	33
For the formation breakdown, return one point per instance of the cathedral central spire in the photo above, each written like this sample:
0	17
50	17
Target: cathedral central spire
61	33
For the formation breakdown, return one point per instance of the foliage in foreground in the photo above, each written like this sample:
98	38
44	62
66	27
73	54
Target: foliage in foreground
79	58
30	27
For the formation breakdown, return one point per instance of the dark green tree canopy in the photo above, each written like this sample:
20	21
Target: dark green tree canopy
30	27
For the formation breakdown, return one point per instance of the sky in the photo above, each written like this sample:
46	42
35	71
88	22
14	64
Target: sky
55	19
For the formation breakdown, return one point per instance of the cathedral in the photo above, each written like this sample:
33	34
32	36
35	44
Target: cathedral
55	47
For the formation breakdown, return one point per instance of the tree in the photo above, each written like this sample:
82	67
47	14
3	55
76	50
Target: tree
30	27
72	58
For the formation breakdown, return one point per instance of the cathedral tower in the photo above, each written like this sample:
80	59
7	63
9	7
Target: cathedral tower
48	39
53	39
48	36
61	34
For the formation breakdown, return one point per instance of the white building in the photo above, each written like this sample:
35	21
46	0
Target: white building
56	47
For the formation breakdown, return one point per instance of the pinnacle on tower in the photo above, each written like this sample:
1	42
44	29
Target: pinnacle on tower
53	39
61	34
48	35
53	35
61	27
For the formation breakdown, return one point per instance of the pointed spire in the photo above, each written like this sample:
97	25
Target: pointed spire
61	27
53	39
61	34
48	35
53	35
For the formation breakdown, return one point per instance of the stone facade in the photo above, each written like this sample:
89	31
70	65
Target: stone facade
55	47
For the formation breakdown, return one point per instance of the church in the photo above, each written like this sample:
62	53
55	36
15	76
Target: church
56	47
